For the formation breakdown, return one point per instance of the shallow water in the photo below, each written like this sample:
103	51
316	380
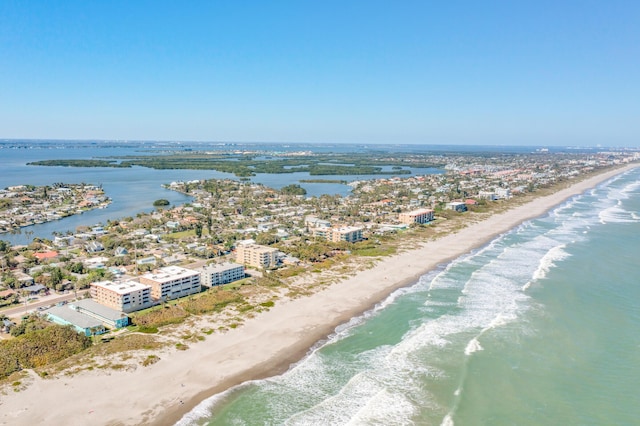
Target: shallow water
538	327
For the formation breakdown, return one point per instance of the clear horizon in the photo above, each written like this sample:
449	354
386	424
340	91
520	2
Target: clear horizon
500	73
218	142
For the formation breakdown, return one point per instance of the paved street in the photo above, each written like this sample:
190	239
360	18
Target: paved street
33	305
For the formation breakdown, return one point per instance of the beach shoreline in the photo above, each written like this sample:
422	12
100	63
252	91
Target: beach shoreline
263	346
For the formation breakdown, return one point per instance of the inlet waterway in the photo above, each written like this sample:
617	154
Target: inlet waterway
132	190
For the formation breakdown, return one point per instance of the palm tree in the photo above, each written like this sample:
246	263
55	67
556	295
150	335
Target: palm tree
24	294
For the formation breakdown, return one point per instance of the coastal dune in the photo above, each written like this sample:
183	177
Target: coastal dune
160	394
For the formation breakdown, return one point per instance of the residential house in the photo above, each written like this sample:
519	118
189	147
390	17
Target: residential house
7	294
487	195
94	246
150	260
47	255
457	206
96	262
34	289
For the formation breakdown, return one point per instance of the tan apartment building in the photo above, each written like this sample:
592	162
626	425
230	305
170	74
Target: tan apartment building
126	296
256	255
417	216
172	282
349	234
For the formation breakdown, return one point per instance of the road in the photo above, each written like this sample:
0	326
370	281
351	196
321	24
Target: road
21	310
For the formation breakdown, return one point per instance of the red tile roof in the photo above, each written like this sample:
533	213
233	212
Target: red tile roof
46	255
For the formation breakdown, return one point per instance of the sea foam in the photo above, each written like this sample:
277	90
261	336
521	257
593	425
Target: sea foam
447	421
472	346
548	261
475	294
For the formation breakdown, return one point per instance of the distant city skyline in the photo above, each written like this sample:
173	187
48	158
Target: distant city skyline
363	72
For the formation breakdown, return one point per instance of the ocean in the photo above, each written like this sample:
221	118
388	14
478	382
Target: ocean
539	327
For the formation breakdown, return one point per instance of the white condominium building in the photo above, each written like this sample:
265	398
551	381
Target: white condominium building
127	296
503	193
172	282
223	273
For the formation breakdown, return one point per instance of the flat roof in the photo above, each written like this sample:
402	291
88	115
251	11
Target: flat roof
98	309
419	211
169	273
348	229
221	267
260	249
74	317
121	288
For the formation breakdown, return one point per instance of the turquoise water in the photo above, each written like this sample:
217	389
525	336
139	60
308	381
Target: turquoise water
540	327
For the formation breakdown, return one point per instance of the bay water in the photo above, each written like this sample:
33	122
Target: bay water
539	327
133	190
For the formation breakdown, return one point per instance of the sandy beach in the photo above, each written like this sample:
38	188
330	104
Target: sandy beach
160	394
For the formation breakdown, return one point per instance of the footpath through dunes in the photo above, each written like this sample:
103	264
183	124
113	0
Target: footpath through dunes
265	345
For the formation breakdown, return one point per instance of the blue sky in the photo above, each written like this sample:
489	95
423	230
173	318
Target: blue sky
454	72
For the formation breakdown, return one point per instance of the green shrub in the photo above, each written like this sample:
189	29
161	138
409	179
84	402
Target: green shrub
39	348
151	359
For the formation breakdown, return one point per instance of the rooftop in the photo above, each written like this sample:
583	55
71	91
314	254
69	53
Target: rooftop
124	287
345	229
169	273
74	317
46	255
419	211
98	309
221	267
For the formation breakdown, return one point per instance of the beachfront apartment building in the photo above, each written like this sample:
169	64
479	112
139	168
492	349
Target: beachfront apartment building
256	255
457	206
172	282
350	234
126	296
503	193
222	273
417	216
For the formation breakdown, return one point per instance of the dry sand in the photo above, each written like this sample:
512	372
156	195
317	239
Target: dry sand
265	345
